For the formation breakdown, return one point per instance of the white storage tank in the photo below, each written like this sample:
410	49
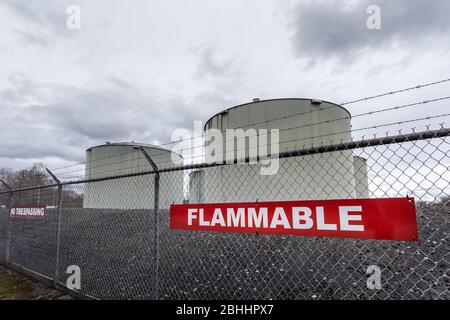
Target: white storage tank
361	178
135	192
302	123
196	186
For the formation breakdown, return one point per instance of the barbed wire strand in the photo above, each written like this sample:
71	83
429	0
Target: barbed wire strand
281	130
289	141
319	109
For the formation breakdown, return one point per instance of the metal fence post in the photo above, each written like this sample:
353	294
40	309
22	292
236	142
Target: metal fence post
156	219
58	226
8	227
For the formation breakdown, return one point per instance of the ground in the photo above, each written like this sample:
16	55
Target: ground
14	286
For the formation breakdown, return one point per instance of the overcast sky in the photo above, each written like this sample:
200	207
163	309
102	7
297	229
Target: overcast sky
136	70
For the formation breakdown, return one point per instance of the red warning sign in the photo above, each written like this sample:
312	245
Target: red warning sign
382	219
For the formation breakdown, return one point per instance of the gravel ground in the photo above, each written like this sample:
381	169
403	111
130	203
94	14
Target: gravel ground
114	249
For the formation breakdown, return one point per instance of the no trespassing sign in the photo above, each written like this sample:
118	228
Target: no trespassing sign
31	212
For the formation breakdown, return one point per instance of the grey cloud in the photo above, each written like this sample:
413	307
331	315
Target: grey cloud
48	19
29	38
22	89
76	118
325	29
211	65
102	115
198	108
40	11
37	150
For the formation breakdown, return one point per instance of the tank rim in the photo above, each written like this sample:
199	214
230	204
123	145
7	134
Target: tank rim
132	144
275	99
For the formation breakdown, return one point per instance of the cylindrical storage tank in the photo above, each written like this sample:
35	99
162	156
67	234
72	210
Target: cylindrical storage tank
196	186
301	124
361	177
136	192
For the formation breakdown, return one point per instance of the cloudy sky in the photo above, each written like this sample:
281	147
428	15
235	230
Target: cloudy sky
137	70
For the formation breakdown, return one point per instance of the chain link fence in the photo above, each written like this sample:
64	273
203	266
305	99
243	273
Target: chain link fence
4	200
116	228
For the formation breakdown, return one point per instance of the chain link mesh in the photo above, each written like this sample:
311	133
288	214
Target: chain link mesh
108	229
4	204
32	241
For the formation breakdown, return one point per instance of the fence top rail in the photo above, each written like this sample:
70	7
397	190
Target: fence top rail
400	138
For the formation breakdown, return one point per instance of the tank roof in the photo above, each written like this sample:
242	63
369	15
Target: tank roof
275	99
129	144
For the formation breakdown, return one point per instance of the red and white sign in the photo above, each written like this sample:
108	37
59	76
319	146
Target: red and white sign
382	219
33	212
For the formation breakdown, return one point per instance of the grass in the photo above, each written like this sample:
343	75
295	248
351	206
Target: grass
14	286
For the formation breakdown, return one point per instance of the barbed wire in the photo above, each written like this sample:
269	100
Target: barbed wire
284	142
115	171
201	146
125	153
342	132
323	108
339	119
98	159
302	113
420	86
139	157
